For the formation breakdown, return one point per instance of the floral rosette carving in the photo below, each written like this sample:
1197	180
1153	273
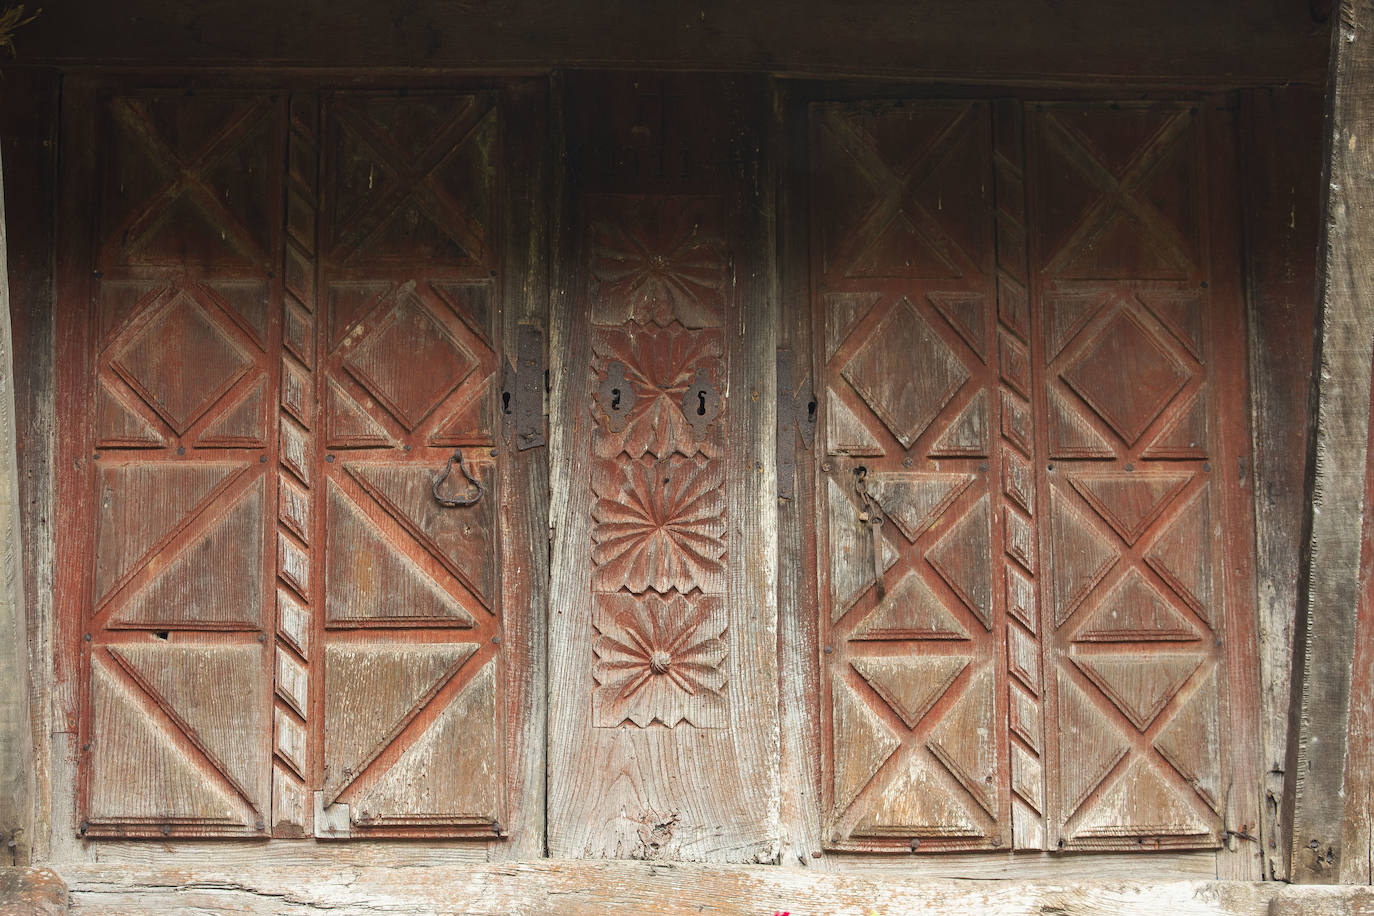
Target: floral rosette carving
659	658
658	261
659	525
659	365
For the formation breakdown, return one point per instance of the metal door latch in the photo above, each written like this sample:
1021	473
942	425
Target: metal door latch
522	394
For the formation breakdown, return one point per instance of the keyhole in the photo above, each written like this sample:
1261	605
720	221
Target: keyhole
505	402
811	411
701	403
615	399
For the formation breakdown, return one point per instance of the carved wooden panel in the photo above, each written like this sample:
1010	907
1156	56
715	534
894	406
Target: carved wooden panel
410	677
664	707
913	614
1026	620
1138	328
288	319
182	351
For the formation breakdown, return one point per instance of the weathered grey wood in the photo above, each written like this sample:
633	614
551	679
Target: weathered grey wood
799	675
28	130
1236	42
587	888
1324	643
1281	180
16	735
526	493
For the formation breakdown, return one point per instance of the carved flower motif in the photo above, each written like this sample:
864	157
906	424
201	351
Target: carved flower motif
659	262
660	364
659	525
659	659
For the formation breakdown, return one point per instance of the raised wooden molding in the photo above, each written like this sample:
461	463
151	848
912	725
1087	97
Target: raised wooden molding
1325	639
608	888
16	739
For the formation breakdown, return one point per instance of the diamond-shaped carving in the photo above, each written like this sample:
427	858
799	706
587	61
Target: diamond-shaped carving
1126	376
905	372
181	363
411	363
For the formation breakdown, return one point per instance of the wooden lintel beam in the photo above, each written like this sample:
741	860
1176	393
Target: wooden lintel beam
1329	597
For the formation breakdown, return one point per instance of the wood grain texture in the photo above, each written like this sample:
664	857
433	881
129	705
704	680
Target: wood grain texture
1281	178
587	888
1235	42
28	126
1322	731
666	273
17	774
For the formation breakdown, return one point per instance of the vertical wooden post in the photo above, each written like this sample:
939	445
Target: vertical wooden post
1329	591
16	736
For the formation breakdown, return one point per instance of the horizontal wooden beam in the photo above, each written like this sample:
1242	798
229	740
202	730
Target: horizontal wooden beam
1233	42
612	888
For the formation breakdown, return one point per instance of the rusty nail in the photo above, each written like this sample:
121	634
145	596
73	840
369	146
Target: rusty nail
828	649
1129	466
825	465
87	637
96	456
262	459
915	843
166	829
262	637
907	462
493	453
1206	465
983	466
996	841
815	853
496	640
181	450
86	746
329	458
259	825
97	274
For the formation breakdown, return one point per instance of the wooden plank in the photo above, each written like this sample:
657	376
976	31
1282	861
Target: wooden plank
661	763
1235	42
16	735
28	125
615	888
799	674
1280	131
1322	732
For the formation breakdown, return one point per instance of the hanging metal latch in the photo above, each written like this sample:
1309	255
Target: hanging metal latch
871	515
458	501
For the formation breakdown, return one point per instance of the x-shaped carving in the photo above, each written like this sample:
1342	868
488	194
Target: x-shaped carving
1140	744
1118	194
896	193
189	179
981	647
411	177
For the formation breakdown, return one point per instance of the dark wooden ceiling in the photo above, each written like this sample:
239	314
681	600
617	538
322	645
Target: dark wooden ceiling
1177	42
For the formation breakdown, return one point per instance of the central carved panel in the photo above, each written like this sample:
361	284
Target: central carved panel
658	478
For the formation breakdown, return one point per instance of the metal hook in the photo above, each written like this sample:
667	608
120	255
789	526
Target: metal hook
456	502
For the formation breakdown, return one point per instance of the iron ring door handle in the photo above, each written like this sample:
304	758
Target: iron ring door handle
459	501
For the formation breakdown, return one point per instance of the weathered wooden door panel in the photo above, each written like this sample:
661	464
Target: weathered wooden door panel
298	313
913	616
1026	617
176	569
663	728
1149	628
410	702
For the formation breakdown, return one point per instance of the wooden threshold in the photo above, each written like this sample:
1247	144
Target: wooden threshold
616	887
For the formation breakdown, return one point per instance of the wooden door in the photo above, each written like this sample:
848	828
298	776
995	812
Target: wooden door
1034	611
663	700
299	311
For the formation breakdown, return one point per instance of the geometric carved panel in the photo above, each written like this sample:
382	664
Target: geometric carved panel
905	400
